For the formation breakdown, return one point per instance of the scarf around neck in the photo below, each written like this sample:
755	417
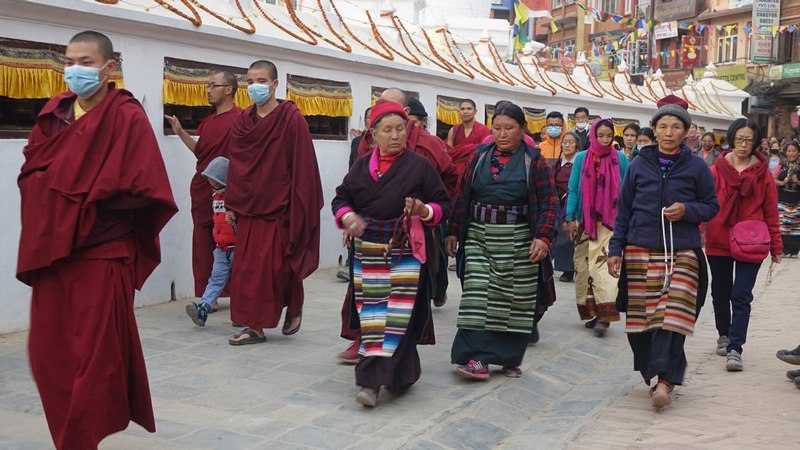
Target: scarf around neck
599	187
741	185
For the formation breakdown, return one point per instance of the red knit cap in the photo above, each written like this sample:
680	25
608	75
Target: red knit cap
673	100
383	107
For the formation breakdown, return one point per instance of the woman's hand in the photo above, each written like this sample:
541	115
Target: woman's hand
614	265
231	217
777	259
353	225
539	250
570	227
675	212
451	246
416	207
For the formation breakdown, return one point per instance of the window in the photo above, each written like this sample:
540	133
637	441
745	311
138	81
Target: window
558	4
569	45
628	6
326	105
726	44
41	65
186	90
555	45
609	6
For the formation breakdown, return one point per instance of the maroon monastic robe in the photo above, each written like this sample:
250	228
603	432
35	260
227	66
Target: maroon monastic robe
94	197
214	133
275	188
431	147
464	146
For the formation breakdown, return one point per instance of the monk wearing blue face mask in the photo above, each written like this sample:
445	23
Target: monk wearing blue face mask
94	197
274	195
554	131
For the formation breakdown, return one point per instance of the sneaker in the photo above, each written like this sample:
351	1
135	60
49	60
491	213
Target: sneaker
566	277
368	396
734	363
350	355
198	313
793	374
343	274
790	356
591	324
722	345
601	328
474	370
533	338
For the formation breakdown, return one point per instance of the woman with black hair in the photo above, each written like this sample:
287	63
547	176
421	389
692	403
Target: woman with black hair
500	233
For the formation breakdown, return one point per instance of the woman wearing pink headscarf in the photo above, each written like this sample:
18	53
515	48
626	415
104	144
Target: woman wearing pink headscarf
594	187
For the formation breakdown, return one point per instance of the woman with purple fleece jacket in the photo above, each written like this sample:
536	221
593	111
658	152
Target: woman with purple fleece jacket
656	249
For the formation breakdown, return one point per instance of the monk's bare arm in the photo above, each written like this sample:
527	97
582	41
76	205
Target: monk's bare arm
187	139
450	137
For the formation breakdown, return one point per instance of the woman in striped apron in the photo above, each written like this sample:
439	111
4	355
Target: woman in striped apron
656	248
500	233
388	204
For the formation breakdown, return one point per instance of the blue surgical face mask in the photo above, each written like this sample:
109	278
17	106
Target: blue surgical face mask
553	131
82	80
726	147
259	93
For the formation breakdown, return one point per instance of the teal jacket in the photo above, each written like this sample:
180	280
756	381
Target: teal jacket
574	210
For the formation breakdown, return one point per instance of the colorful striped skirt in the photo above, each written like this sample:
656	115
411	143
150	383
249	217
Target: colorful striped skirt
652	307
385	291
789	214
500	281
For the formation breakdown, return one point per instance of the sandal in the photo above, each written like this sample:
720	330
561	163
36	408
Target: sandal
660	393
252	338
512	372
288	323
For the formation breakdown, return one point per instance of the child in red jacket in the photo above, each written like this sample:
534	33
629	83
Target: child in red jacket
224	235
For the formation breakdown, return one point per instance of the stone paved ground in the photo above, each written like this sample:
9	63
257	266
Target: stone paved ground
291	393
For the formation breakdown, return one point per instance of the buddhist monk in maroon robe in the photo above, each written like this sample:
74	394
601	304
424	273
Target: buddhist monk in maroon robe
434	149
465	137
213	141
94	197
274	194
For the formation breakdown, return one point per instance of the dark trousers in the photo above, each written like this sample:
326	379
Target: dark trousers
732	293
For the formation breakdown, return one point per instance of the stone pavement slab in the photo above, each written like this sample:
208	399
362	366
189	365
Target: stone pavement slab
291	393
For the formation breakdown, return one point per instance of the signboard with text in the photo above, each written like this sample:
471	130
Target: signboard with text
675	10
666	30
766	14
734	74
761	48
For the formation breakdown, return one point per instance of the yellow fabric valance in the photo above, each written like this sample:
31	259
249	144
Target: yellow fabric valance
719	135
489	113
620	124
35	73
188	86
447	110
316	97
536	118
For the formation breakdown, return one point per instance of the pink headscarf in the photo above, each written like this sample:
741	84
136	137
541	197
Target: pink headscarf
599	188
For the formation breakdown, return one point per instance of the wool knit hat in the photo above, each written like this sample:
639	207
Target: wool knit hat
416	108
384	107
217	170
672	105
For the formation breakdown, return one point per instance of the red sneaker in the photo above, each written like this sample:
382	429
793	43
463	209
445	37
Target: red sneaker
350	355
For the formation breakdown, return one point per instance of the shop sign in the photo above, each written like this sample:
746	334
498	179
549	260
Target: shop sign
690	51
761	48
675	10
734	74
666	30
790	71
766	13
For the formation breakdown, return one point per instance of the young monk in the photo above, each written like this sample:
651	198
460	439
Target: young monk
95	195
465	137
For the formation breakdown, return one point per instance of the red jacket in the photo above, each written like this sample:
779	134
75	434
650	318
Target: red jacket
224	235
762	204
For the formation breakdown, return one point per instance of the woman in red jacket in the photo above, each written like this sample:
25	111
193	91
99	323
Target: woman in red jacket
746	191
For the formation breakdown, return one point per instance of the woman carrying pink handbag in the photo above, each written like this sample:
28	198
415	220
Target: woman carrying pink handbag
744	233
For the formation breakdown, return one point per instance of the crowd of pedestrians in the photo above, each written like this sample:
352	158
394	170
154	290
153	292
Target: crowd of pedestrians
638	225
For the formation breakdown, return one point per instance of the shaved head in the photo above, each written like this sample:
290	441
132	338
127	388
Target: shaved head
263	64
230	80
396	95
102	41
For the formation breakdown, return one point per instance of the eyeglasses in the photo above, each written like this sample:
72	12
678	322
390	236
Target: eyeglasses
746	141
212	85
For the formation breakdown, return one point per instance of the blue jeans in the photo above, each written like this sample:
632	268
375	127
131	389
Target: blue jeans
732	297
220	274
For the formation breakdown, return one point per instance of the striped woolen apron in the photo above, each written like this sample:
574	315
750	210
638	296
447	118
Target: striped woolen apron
649	307
499	279
384	295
